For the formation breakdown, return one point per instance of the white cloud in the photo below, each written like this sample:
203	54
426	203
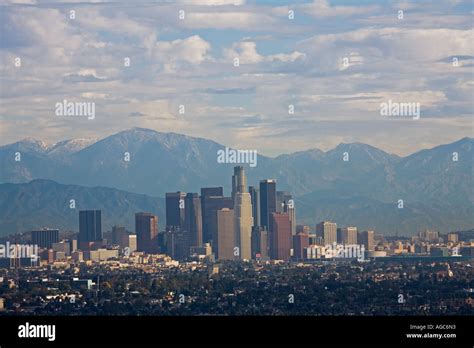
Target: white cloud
86	73
94	20
371	101
193	50
282	57
224	20
91	95
374	45
247	53
322	8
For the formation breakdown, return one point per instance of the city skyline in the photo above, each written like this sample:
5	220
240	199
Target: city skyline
232	233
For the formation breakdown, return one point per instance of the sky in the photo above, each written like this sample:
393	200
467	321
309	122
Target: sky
334	62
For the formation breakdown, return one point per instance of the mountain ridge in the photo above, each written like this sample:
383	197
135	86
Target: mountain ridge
430	180
152	131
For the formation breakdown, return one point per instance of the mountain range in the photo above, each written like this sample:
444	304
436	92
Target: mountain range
363	190
45	203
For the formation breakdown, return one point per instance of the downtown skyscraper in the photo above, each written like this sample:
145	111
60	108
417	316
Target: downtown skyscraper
209	197
288	206
243	220
224	242
367	239
45	238
193	219
175	208
90	226
327	230
255	194
268	202
280	236
146	226
347	235
212	205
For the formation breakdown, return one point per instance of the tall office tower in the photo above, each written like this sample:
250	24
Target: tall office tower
146	228
255	197
300	242
224	238
347	235
280	236
243	224
259	243
90	226
289	207
267	201
175	208
327	230
45	238
207	192
213	204
193	219
118	235
242	213
177	243
367	239
239	181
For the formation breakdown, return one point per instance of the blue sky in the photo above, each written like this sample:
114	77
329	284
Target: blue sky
282	61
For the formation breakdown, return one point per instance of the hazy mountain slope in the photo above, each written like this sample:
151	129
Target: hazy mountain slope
44	203
438	189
